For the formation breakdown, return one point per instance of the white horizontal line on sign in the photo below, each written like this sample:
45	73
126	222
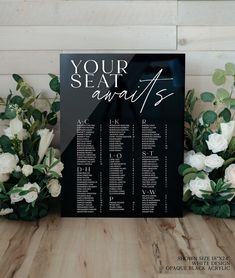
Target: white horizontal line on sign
206	38
100	37
85	13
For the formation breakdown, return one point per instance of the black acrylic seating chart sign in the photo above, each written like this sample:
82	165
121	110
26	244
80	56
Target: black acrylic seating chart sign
122	134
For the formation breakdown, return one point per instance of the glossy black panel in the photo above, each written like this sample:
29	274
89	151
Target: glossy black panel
122	134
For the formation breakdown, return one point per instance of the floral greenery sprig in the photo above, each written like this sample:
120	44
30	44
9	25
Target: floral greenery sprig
209	169
29	167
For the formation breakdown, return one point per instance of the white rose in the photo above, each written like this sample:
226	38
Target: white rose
54	187
4	177
196	160
229	176
213	161
199	184
27	170
8	163
16	129
187	156
57	153
58	167
6	211
227	130
46	139
15	197
217	142
33	194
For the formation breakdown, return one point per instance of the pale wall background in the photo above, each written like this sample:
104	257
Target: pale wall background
33	34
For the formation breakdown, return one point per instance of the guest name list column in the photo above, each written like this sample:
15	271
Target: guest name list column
120	166
151	140
87	182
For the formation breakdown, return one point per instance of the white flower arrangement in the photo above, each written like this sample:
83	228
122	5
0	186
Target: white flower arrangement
209	162
30	168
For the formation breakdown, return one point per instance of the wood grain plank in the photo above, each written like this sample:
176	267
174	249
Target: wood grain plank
74	38
86	13
205	62
197	62
114	248
208	13
199	83
206	38
29	62
42	62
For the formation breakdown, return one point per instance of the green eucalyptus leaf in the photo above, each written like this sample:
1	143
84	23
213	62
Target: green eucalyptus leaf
52	118
190	96
2	187
28	103
6	144
24	192
189	177
205	135
190	170
207	97
52	75
182	168
10	113
231	145
18	86
219	77
230	68
209	117
55	107
17	100
26	91
201	175
37	115
54	174
225	114
229	161
222	94
187	195
55	84
188	117
3	116
15	190
40	168
17	78
229	102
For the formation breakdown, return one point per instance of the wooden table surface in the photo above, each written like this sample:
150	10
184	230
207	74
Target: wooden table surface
116	248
